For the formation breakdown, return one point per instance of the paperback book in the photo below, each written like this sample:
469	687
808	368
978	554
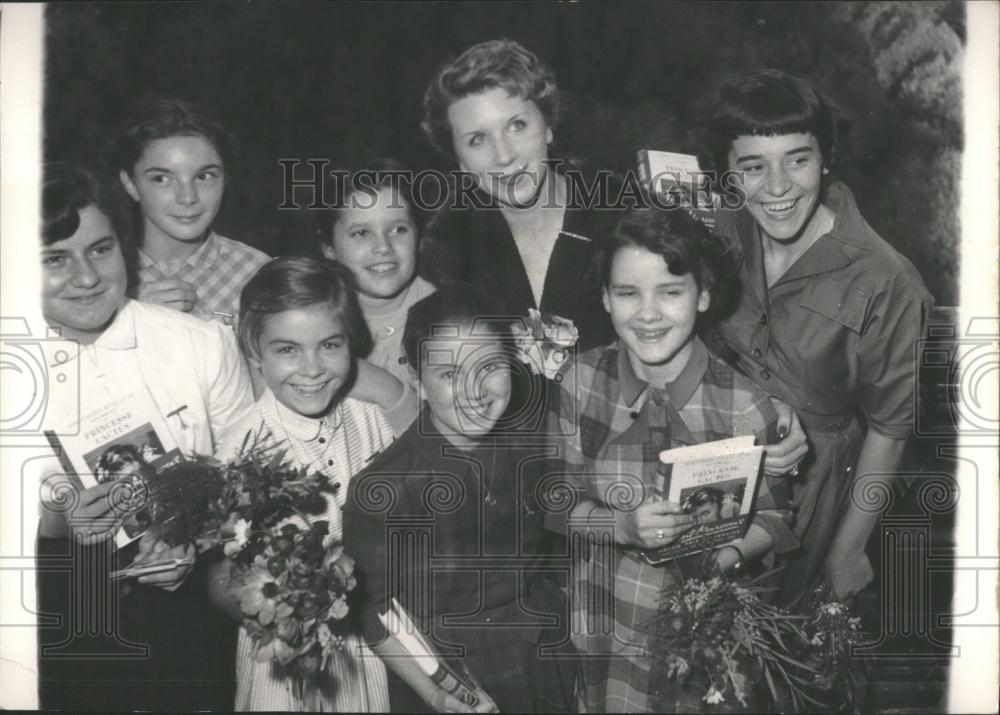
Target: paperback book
679	182
122	440
716	482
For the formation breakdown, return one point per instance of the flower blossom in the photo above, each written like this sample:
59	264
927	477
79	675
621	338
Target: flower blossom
241	533
713	696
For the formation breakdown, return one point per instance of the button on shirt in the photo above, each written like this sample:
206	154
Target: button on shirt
192	371
611	426
218	270
338	445
482	526
837	331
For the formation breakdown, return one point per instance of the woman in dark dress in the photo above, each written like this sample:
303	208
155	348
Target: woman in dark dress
519	231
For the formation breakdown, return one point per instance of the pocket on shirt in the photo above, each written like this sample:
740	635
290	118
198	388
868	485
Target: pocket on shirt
843	303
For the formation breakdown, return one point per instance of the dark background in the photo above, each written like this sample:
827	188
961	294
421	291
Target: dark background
308	80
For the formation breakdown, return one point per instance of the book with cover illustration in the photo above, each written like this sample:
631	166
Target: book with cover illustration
679	181
716	482
121	439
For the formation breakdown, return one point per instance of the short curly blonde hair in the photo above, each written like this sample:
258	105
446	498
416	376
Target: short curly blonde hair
495	63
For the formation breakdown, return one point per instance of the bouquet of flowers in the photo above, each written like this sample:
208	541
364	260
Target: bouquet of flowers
290	580
544	342
713	640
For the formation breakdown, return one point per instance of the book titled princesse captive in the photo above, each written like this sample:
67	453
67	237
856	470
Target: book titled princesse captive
122	439
716	482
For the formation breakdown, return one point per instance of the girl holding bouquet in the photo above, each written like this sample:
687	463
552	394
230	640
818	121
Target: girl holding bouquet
301	327
656	387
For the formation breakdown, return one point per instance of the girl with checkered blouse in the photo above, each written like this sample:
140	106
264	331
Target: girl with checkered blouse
302	328
174	162
618	406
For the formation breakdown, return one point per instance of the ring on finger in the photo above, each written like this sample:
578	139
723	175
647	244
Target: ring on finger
794	471
659	534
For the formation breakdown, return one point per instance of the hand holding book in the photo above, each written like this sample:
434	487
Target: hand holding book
454	690
91	518
654	524
167	566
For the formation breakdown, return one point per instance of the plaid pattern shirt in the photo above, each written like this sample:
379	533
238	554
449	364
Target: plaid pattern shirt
218	270
614	426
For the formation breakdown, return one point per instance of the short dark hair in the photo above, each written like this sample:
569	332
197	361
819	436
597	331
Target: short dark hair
165	118
367	176
455	305
293	282
684	243
66	190
495	63
770	102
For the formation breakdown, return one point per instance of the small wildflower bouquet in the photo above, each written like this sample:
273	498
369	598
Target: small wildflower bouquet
715	641
290	580
832	632
544	342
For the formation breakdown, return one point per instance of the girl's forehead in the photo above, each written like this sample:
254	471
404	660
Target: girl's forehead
455	343
771	143
364	198
181	148
637	261
304	318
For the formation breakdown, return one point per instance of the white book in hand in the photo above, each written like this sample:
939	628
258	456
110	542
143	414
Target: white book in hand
716	482
459	683
122	439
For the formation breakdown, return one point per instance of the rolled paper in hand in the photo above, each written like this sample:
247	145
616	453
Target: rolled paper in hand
397	623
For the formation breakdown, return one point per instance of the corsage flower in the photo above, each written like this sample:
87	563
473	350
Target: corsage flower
544	342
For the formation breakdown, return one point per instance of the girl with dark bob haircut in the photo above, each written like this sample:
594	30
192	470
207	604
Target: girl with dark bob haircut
496	63
828	314
66	190
770	103
462	306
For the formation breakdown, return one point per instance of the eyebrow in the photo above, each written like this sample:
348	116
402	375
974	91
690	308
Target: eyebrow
797	150
164	170
287	341
678	280
50	250
508	120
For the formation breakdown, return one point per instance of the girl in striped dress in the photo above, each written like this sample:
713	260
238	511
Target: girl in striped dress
301	327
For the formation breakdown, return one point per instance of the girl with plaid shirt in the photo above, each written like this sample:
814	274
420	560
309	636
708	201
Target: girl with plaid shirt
618	406
175	162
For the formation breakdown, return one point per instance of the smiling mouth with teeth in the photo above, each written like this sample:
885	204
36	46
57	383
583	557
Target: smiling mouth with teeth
650	335
311	389
382	267
779	209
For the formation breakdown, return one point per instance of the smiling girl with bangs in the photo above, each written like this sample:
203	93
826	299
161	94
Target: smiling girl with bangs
828	315
302	329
